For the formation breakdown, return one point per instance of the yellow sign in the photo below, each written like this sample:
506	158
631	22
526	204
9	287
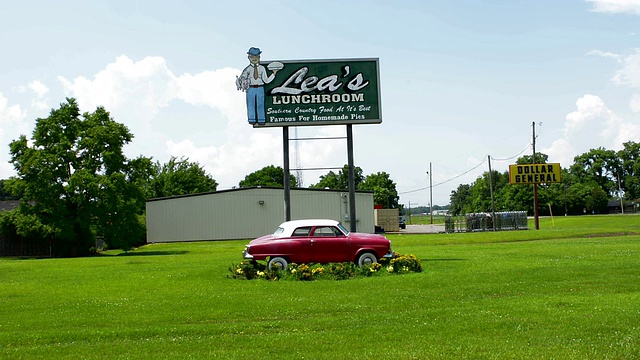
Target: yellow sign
535	173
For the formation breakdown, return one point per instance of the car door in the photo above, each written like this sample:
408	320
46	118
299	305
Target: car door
328	244
302	237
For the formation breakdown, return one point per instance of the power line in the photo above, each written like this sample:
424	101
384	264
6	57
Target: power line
444	182
466	172
515	156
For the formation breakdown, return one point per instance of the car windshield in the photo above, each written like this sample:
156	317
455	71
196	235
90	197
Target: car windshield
343	229
278	231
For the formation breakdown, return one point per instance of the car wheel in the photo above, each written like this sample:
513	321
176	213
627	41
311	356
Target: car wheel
366	259
279	262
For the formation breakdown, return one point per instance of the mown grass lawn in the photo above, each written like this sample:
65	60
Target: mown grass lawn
568	291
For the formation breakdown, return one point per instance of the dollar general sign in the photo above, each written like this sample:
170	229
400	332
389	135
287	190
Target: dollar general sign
535	173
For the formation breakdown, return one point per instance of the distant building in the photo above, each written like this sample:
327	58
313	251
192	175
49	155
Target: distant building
614	207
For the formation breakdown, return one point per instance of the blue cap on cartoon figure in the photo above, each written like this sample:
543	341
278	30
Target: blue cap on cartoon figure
254	51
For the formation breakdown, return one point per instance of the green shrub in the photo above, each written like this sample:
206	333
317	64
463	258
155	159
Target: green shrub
400	264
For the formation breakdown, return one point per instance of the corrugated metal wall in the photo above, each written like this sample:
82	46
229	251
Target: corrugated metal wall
248	213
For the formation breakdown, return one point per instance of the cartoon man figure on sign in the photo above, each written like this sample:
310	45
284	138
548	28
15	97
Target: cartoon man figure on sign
252	80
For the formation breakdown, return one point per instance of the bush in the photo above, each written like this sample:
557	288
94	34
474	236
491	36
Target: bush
249	270
400	264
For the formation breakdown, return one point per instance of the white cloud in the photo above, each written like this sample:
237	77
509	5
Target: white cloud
616	6
630	73
147	84
40	90
591	116
11	124
136	93
604	54
9	115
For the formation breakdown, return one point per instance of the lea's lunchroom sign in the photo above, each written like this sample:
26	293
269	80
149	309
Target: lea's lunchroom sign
535	173
319	92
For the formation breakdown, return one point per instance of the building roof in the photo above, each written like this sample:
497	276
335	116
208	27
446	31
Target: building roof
257	187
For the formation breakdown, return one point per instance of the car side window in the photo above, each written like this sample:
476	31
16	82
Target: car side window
302	231
326	231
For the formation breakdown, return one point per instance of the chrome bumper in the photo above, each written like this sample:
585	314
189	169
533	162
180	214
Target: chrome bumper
389	255
246	255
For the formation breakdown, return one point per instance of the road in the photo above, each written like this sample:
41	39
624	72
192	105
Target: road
422	229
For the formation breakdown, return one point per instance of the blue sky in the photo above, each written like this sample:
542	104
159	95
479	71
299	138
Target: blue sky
460	80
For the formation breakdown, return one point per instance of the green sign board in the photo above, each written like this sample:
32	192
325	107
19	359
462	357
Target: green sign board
314	92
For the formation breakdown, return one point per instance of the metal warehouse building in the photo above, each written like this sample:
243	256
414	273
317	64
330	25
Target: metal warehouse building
247	213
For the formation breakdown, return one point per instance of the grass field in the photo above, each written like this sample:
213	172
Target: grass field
424	219
567	291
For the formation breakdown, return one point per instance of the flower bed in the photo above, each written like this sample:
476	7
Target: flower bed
399	264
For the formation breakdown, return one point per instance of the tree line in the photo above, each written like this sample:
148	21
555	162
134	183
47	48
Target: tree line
587	186
75	183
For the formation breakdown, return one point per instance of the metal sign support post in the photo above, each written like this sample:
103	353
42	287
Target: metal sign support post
535	185
352	185
287	177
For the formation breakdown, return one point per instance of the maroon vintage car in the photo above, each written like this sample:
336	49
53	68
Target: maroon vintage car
317	241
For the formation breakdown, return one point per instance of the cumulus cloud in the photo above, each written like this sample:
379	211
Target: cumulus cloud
147	84
593	116
11	124
9	114
138	92
629	74
40	90
591	113
616	6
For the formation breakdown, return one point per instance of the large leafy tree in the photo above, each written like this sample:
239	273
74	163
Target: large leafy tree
599	165
267	176
340	181
384	189
630	164
179	177
460	200
76	182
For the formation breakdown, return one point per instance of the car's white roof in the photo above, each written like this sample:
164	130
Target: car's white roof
289	226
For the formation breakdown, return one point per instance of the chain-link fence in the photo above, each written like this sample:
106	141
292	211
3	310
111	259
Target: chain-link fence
506	220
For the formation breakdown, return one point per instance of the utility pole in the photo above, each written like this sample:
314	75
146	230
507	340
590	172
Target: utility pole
620	196
493	203
430	172
535	185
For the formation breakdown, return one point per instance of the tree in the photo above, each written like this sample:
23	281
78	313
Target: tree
460	200
630	166
5	193
600	165
76	182
179	177
267	176
384	189
339	181
541	158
